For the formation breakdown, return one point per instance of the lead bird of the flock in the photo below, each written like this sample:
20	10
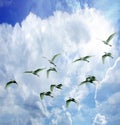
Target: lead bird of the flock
106	55
51	61
68	101
35	72
51	69
42	94
52	86
85	58
109	39
89	79
10	82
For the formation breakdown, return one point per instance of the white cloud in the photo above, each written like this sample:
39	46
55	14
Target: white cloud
111	81
99	120
107	96
22	48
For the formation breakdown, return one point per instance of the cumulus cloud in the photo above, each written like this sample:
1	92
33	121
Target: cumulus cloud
111	81
23	48
108	94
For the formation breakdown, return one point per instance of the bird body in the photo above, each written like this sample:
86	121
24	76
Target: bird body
52	62
108	39
85	58
10	82
69	101
106	55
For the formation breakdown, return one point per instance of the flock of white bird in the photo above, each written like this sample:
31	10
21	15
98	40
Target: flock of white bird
89	79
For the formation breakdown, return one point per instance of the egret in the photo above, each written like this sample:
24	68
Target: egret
51	61
108	39
85	58
89	79
52	86
69	101
42	94
10	82
106	55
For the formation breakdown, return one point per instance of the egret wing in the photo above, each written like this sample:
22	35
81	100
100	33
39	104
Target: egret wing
67	103
55	57
76	60
42	95
83	82
59	86
110	37
28	72
86	57
103	58
48	71
52	87
10	82
38	70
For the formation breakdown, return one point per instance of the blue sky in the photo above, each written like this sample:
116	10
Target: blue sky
32	29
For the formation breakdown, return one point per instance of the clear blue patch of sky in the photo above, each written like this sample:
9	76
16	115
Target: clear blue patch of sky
15	12
19	9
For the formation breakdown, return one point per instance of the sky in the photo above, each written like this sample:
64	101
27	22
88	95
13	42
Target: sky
33	29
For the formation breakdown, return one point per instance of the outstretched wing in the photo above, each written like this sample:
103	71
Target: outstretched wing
42	95
76	60
103	58
83	82
55	57
110	37
49	70
110	55
67	103
86	57
59	86
28	72
10	82
52	87
38	70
